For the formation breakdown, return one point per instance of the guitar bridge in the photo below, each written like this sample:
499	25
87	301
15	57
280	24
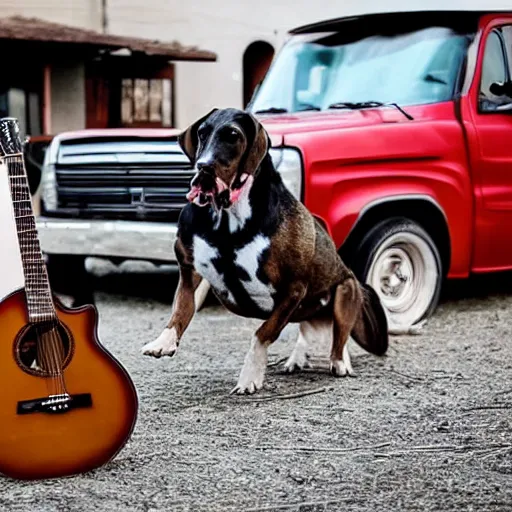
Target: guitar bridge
55	404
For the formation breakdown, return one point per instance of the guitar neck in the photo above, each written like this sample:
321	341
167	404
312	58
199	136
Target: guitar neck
37	286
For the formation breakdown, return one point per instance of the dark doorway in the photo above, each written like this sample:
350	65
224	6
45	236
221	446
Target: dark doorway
257	59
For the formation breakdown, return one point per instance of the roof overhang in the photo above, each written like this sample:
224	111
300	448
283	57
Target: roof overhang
36	30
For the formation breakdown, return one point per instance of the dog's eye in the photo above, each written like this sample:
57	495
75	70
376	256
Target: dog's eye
231	135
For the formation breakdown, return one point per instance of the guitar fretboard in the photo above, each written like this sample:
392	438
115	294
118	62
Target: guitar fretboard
37	287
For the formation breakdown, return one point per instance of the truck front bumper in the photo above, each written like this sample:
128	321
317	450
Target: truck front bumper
108	238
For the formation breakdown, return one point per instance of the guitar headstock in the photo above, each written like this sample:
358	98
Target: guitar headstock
10	141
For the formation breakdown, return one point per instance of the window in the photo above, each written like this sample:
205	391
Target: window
314	71
24	105
131	93
494	71
146	101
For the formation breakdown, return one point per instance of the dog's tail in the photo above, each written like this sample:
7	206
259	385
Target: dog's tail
371	327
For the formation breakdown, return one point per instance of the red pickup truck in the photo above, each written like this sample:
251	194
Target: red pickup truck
391	128
397	125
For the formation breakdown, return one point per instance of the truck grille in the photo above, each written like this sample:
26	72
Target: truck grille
132	179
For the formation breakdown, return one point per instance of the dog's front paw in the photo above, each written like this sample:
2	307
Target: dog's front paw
165	345
248	386
253	372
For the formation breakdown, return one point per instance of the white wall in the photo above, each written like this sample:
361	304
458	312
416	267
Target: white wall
67	97
81	13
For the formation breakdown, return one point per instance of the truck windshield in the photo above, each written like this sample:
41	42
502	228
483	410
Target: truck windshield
316	71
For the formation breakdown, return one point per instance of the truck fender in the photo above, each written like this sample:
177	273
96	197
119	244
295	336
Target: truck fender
422	208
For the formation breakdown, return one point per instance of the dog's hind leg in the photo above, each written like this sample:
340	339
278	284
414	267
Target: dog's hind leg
182	312
201	294
314	331
299	358
346	309
253	371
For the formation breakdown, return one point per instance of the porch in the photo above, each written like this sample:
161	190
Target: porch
57	77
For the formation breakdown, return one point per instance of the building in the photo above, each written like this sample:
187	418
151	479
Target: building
95	63
60	76
96	70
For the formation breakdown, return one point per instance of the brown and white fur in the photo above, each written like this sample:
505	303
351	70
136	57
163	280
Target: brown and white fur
263	254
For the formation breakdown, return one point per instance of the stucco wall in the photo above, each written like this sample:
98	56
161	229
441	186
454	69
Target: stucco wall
68	97
81	13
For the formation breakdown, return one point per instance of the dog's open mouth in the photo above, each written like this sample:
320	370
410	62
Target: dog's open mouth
197	196
221	196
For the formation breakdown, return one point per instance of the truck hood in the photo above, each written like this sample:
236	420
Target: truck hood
279	126
355	137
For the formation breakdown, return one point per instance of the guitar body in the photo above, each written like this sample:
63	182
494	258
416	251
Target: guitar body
38	441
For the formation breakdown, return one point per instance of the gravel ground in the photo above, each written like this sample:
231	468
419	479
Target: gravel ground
426	428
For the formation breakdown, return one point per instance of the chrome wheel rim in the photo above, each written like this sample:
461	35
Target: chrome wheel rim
404	273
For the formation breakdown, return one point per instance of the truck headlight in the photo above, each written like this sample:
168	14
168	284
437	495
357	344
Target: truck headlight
288	164
49	188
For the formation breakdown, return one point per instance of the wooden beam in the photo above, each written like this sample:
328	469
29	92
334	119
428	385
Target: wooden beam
47	100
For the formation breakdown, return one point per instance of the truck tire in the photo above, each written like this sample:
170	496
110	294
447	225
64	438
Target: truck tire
399	259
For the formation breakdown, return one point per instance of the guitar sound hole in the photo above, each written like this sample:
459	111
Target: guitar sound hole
43	350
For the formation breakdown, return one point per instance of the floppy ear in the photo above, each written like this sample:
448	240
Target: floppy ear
187	139
260	146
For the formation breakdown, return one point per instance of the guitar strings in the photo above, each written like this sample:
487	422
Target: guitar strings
59	356
51	357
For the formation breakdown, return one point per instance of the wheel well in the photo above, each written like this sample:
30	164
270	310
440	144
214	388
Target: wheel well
424	212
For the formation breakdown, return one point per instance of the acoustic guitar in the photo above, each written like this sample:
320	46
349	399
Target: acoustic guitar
67	405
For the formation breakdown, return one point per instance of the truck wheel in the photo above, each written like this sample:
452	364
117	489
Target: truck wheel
401	262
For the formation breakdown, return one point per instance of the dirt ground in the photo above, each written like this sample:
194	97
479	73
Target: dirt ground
426	428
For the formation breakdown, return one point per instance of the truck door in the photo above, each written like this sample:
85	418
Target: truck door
490	149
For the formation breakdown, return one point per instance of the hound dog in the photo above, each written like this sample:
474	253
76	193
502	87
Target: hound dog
263	253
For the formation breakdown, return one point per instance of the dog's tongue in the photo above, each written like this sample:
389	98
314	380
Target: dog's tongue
197	196
194	192
225	195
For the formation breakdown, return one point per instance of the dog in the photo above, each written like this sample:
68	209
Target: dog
263	253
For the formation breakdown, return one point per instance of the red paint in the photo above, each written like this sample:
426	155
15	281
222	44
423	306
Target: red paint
461	161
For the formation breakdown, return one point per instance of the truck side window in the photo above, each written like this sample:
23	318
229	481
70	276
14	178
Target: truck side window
494	70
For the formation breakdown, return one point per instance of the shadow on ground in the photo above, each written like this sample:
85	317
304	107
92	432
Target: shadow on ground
477	287
146	281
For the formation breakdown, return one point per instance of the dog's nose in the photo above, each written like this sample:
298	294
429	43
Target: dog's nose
205	167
